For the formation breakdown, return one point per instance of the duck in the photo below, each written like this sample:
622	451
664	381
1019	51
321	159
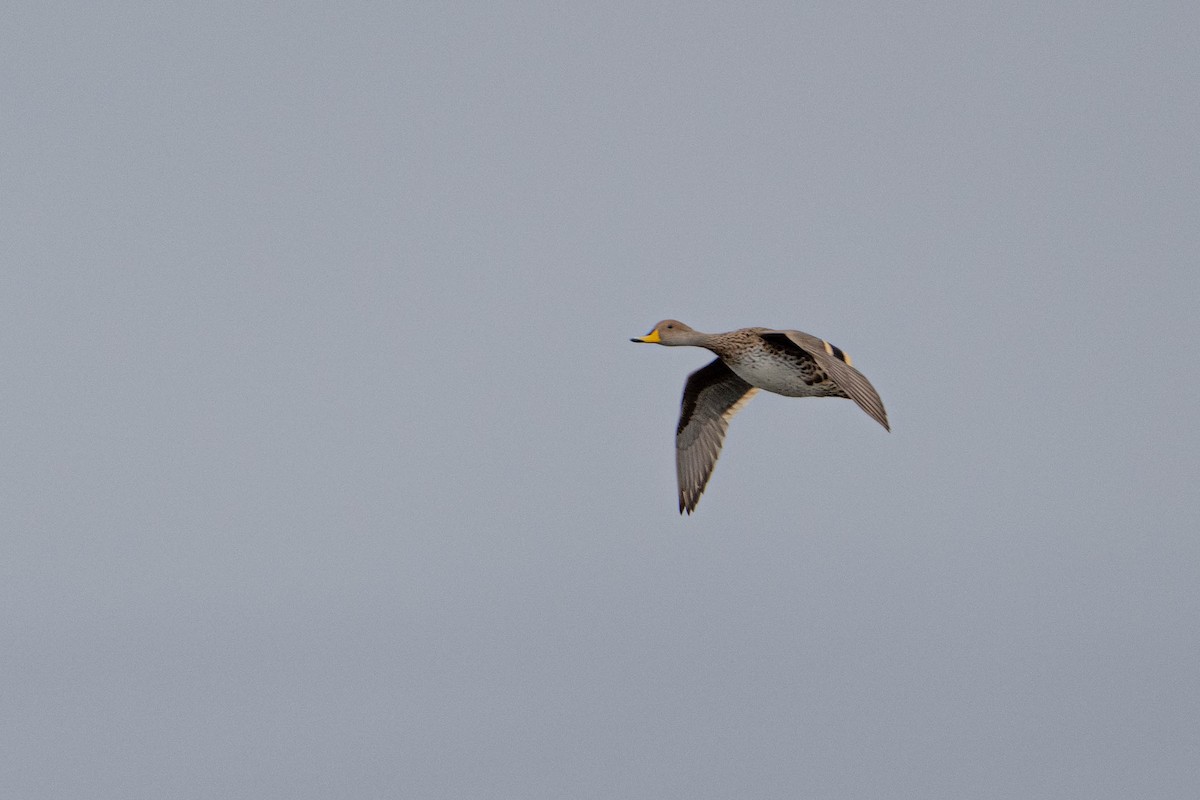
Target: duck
785	362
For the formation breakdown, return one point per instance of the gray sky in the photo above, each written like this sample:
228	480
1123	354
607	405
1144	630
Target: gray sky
329	469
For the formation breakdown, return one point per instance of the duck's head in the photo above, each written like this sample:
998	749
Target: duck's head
668	332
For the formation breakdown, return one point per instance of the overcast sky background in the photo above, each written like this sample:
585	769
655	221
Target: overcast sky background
329	469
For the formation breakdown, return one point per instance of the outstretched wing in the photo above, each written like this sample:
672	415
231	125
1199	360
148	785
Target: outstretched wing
836	365
711	396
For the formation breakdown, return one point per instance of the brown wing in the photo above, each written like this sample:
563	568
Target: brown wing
711	396
836	365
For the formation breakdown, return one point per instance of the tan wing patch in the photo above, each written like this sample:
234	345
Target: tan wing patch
739	405
837	352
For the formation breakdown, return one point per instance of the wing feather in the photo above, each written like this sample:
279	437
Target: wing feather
711	397
836	365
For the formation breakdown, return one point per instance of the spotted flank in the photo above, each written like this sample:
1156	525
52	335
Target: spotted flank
784	362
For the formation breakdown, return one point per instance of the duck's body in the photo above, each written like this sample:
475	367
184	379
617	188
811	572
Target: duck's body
772	363
785	362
